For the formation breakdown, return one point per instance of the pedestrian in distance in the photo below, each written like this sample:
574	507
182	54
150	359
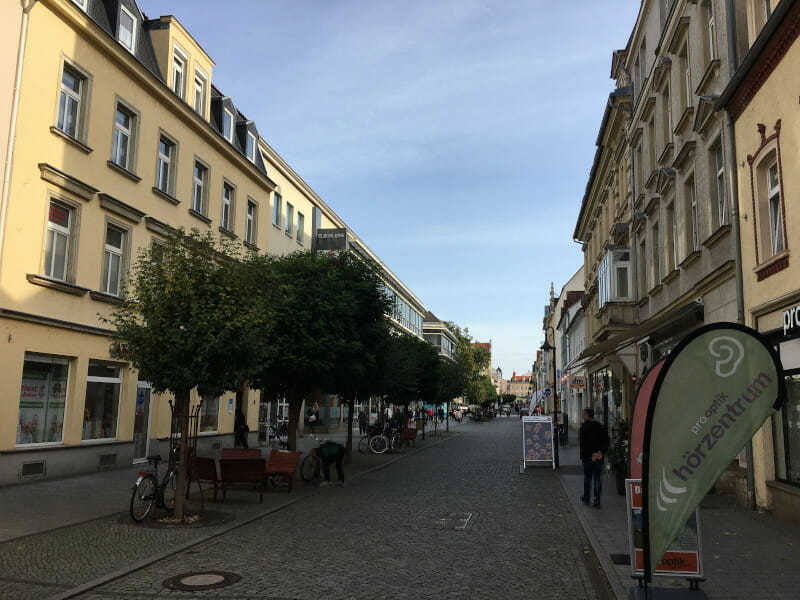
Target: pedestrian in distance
593	443
328	453
240	428
362	423
313	417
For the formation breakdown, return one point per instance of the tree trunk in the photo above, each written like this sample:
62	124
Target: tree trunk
294	417
182	406
348	457
447	410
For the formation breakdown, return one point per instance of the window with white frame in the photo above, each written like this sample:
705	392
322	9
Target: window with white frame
767	10
58	240
126	28
164	166
123	133
71	97
655	256
301	223
614	277
199	187
277	208
693	242
671	239
226	219
711	27
179	61
42	398
775	209
687	76
101	407
81	3
227	125
200	86
251	147
289	218
719	187
113	259
250	225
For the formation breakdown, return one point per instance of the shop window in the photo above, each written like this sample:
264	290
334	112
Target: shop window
786	430
42	397
101	409
209	414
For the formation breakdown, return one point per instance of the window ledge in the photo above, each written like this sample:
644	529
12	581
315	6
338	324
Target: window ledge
720	234
773	265
123	171
71	140
228	232
288	234
299	243
671	276
104	297
56	284
656	289
252	246
691	258
643	301
165	196
200	216
276	226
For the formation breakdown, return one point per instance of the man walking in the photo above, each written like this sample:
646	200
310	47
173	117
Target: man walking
594	442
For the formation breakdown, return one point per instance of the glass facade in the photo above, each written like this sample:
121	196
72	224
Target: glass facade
403	313
42	397
101	408
606	396
786	433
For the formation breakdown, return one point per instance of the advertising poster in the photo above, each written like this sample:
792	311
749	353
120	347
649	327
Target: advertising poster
42	397
537	440
714	392
683	555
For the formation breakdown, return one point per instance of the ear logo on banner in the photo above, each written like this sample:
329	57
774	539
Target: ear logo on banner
735	356
672	489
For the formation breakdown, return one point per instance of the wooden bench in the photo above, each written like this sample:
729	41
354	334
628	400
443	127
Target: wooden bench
409	435
241	453
202	469
242	470
283	463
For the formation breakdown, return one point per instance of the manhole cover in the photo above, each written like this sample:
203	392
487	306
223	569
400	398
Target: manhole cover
621	559
206	580
454	521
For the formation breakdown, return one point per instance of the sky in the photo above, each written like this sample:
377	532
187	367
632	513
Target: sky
454	137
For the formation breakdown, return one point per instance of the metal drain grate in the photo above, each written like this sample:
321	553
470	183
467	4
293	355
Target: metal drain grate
454	521
205	580
620	559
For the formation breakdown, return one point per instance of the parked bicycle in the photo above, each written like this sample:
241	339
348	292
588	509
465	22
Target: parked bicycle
148	492
278	434
309	468
380	439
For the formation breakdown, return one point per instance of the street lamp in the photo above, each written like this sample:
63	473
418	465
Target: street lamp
547	347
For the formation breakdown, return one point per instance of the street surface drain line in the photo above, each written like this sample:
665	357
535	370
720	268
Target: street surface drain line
118	574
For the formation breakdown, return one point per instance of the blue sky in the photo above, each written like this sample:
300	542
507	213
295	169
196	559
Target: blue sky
454	137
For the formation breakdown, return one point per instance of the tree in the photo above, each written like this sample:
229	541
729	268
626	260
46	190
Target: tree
472	360
190	321
411	371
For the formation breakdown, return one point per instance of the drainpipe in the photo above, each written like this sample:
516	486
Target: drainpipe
27	5
733	185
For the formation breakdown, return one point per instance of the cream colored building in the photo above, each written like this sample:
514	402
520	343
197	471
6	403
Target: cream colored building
761	99
120	135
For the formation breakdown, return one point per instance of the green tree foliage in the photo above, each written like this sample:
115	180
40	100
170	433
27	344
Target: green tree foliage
472	360
411	371
188	321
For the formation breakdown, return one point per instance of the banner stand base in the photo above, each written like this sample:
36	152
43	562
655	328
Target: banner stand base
657	593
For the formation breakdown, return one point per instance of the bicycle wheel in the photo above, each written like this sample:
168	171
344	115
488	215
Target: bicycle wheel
363	443
379	444
309	468
143	498
397	443
168	491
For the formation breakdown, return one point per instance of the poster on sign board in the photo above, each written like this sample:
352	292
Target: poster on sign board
537	440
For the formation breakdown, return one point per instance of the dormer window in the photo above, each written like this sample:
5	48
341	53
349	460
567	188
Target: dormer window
227	125
179	60
251	147
200	92
126	30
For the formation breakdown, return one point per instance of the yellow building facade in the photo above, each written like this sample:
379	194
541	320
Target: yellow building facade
762	102
120	136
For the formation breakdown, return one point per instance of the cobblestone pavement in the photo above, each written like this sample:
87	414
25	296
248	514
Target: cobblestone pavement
455	521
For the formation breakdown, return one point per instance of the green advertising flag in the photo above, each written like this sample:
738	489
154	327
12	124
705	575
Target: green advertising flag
714	392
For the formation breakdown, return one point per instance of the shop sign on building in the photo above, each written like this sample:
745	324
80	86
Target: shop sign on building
331	240
577	382
791	320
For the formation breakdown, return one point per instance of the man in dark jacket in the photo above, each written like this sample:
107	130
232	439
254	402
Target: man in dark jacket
594	443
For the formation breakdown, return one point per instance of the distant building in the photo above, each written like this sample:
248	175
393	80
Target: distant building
439	336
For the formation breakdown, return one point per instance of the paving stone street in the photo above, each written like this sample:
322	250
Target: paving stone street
455	520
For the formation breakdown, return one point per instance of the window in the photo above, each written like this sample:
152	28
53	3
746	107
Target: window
642	60
126	30
712	37
250	226
123	128
301	222
786	430
42	398
178	72
672	240
81	3
767	10
209	413
775	210
641	275
719	186
613	277
69	102
101	408
686	82
276	210
691	214
666	116
251	147
58	238
651	143
200	92
166	154
227	125
113	260
226	220
655	257
289	218
199	187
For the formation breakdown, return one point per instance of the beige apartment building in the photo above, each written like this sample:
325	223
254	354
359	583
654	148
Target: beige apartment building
119	135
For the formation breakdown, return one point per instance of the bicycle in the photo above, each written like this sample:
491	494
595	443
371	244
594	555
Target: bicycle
278	434
309	468
148	492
